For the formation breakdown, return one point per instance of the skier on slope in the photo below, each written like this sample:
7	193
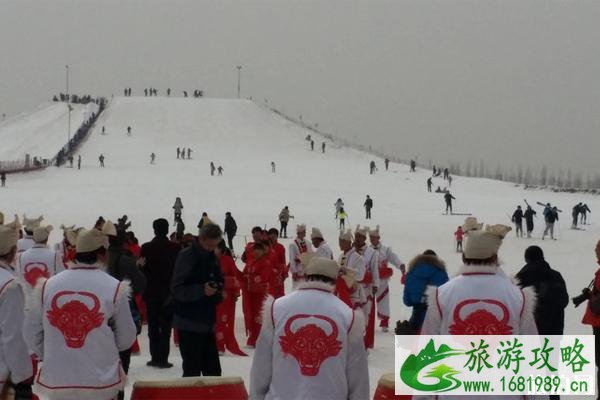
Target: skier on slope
129	131
575	215
178	153
528	215
212	168
584	210
189	153
3	179
413	166
448	198
339	204
220	170
387	163
101	159
368	206
273	166
152	158
78	162
177	207
517	219
372	167
551	216
284	219
342	216
429	184
323	147
312	145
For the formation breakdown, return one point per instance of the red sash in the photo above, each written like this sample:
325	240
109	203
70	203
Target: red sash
342	291
368	279
385	272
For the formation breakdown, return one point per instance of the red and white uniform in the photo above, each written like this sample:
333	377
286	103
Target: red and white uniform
25	243
386	257
324	251
370	281
277	289
352	260
37	262
78	322
481	300
310	347
225	326
66	251
296	248
258	276
15	361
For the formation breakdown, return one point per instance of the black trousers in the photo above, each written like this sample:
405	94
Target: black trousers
368	213
199	353
159	330
230	241
125	357
283	230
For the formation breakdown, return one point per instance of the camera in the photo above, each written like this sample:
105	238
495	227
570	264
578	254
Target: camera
585	295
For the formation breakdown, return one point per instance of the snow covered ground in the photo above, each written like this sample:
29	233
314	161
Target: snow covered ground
42	132
244	138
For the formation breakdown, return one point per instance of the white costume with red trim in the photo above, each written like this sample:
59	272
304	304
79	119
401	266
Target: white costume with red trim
324	251
14	356
482	300
77	323
296	248
25	243
310	347
386	256
37	262
353	261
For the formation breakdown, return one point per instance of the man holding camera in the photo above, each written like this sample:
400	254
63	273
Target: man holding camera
592	312
196	288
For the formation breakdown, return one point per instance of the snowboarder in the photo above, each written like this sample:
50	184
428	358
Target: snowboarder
584	210
212	168
459	236
413	166
152	158
342	216
101	159
517	219
312	145
387	164
575	215
178	153
79	162
273	166
372	167
177	207
189	153
448	198
129	131
298	247
429	184
284	219
368	206
339	204
3	179
529	214
323	147
220	170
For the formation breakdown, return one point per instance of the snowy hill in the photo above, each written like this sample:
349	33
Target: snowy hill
244	138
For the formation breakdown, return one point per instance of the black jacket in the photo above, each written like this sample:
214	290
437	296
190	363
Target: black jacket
160	255
121	265
194	311
517	217
552	296
230	226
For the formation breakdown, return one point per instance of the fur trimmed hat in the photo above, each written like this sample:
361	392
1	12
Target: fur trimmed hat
301	228
9	235
31	224
316	234
306	257
41	233
374	232
322	266
109	229
346	236
70	233
364	230
90	240
471	224
484	244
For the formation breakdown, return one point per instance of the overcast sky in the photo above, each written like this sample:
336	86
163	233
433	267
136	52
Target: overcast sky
510	82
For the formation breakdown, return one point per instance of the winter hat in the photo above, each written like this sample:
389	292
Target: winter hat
301	228
9	235
31	224
374	232
322	266
346	236
109	229
41	233
483	244
361	230
71	233
471	224
316	234
306	257
161	227
91	240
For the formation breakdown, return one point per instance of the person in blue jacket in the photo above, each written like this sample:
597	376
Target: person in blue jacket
424	270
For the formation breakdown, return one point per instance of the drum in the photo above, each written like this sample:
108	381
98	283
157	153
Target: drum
385	389
209	388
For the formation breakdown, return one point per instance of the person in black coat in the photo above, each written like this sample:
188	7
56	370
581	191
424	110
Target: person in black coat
517	219
230	229
528	215
552	296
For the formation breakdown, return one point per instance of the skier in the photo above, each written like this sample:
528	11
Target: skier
220	170
178	153
551	216
189	153
387	164
152	158
575	215
370	281
459	235
323	147
448	198
177	207
79	162
413	166
368	206
529	214
273	166
230	229
212	168
298	247
185	94
584	210
434	171
322	249
372	167
3	179
312	145
183	153
146	92
103	130
385	256
101	159
169	92
450	179
446	173
429	184
517	219
342	216
284	218
339	204
129	131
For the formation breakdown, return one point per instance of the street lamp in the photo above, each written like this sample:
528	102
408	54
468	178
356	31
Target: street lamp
68	106
239	68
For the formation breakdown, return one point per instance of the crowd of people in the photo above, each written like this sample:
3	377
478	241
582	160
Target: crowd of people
153	92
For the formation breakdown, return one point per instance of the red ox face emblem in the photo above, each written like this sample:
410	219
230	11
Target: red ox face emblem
481	321
309	344
74	319
32	272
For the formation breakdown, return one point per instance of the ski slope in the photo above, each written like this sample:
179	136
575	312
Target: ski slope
42	132
244	138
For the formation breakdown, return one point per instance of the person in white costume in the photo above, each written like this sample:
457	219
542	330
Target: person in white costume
298	247
77	322
352	262
322	249
27	242
39	261
481	289
370	281
15	363
386	256
331	363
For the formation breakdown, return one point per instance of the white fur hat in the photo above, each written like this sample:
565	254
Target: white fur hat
471	224
316	234
323	266
71	233
301	228
31	224
9	235
41	233
109	229
91	240
374	232
346	236
306	257
483	244
364	230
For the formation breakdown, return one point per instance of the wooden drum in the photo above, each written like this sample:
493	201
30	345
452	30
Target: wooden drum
209	388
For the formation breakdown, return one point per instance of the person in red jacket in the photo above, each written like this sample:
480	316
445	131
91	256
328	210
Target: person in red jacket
458	235
256	237
278	255
225	327
590	318
258	273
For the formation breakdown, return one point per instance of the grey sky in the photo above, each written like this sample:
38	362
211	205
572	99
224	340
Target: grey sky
506	81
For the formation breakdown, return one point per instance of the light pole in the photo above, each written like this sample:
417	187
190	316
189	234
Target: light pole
68	107
239	68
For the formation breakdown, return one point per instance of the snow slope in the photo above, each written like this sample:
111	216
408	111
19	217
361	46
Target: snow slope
244	138
42	132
